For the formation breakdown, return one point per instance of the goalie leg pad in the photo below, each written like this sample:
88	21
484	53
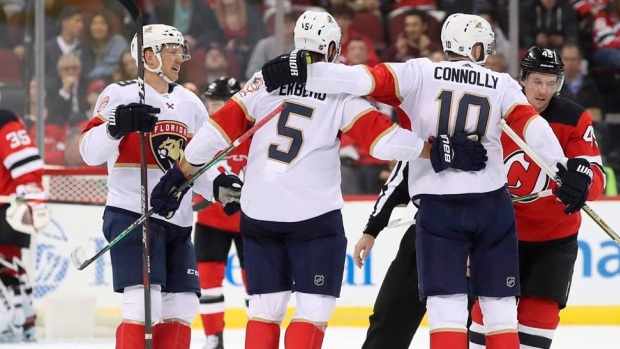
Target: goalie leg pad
179	307
269	307
132	306
314	308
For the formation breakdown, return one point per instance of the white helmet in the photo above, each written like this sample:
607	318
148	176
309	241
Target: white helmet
155	37
461	32
314	31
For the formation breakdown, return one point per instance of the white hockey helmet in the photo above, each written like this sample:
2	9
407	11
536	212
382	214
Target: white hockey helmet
155	37
460	32
315	31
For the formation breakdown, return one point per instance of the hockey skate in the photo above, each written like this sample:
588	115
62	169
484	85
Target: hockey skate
215	341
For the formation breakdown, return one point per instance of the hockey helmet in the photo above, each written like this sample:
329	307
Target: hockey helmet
544	61
222	88
315	31
460	32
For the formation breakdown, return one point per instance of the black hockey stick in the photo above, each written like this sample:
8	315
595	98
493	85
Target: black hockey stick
78	256
134	11
549	171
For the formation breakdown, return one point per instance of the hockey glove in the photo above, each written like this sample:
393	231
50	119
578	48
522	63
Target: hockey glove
133	117
461	151
227	190
576	178
286	69
28	214
162	200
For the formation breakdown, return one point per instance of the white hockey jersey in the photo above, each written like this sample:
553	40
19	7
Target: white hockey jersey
293	170
446	98
182	114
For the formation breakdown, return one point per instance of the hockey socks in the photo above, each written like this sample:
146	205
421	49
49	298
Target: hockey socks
262	335
479	339
538	320
304	335
212	298
449	340
129	336
171	335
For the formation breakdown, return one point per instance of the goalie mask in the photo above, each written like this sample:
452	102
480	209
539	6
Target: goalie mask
316	32
156	37
543	61
461	32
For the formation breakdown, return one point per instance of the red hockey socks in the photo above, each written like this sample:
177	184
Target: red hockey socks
129	336
506	340
262	335
477	333
538	320
304	335
449	340
171	335
212	299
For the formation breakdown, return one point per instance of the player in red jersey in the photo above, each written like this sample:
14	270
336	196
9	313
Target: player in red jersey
21	173
547	229
217	229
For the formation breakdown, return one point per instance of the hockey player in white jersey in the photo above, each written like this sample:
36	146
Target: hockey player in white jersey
291	222
461	214
172	116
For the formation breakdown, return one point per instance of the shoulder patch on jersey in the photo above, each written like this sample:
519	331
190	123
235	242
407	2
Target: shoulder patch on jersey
7	116
251	86
168	140
103	104
563	111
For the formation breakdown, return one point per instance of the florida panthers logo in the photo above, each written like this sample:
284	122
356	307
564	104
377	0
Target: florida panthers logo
524	176
167	143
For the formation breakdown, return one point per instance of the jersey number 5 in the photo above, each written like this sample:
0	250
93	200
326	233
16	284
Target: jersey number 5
464	103
295	135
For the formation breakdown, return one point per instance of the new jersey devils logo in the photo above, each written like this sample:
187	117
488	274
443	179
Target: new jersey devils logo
168	140
524	176
234	163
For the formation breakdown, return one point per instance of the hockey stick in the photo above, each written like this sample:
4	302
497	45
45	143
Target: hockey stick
549	171
134	11
9	199
78	256
398	222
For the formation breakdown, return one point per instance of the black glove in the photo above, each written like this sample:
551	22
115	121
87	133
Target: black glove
227	190
286	69
133	117
162	200
462	152
576	178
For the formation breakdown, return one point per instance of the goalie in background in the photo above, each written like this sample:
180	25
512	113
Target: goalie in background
21	173
217	228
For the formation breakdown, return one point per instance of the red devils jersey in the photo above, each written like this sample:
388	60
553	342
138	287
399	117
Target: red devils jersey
544	219
21	163
213	215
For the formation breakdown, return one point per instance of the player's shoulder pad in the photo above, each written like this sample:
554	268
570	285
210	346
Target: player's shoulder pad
7	116
563	111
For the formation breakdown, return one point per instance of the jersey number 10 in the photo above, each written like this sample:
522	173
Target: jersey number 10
464	103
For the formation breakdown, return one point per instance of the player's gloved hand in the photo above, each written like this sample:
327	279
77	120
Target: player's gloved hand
227	190
576	178
462	152
286	69
162	200
28	214
133	117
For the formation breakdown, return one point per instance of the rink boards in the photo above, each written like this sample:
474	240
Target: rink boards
594	299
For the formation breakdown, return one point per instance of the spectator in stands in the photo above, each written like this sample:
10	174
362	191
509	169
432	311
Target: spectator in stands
607	36
550	23
194	18
219	62
414	41
265	49
102	47
496	63
357	52
53	134
126	68
582	89
67	42
343	14
501	42
243	27
66	92
436	56
421	4
371	6
588	8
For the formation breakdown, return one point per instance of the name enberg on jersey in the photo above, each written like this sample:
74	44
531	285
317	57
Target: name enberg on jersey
465	76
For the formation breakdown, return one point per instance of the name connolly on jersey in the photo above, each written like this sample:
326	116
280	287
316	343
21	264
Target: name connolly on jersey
466	76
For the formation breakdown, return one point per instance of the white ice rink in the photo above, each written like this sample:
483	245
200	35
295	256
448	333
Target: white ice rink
567	337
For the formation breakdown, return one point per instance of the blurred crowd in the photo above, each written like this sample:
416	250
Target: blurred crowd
87	47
